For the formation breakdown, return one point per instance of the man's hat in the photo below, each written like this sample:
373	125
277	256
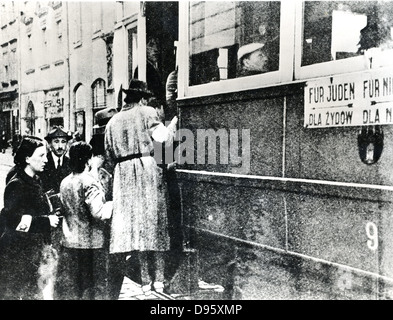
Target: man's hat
248	48
103	116
138	86
57	132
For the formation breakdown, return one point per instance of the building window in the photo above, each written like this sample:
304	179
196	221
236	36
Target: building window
44	39
132	52
119	10
222	32
30	119
5	80
29	42
97	17
99	97
99	94
109	59
59	31
77	22
4	48
55	4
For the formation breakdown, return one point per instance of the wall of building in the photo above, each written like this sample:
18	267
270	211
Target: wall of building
126	20
88	55
60	47
43	66
9	67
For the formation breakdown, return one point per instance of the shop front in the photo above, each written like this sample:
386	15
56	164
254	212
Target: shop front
9	116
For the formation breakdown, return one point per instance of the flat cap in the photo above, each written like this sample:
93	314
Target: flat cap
248	48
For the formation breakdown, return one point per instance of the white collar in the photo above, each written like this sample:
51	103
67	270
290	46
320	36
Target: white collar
56	159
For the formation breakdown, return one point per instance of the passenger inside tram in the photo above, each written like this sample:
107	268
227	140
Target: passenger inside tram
253	59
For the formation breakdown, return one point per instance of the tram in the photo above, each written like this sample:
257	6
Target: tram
285	173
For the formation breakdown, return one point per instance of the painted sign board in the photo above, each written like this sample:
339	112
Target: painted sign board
54	104
356	99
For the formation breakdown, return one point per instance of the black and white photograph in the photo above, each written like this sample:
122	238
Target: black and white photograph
209	151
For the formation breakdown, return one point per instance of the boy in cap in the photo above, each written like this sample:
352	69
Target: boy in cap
102	117
97	141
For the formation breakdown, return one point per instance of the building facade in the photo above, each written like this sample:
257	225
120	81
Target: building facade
9	67
64	61
44	97
91	28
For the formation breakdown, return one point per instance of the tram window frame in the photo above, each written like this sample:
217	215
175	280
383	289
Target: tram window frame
341	66
282	75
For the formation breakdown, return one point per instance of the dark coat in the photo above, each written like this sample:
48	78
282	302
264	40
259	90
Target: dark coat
97	142
52	177
21	253
10	174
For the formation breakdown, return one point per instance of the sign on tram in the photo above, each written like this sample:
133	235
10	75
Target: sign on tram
358	99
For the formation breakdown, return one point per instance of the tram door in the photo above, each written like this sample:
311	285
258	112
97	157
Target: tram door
161	33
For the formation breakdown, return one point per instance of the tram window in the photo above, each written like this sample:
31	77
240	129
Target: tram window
218	29
335	30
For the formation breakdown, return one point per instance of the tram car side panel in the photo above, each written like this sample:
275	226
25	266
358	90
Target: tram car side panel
334	230
332	154
238	212
252	127
322	214
357	193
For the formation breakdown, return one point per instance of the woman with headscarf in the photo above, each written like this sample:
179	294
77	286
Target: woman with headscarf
28	221
139	220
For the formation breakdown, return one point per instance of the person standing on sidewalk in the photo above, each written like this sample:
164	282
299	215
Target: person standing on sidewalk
28	221
97	142
58	166
56	169
16	139
4	143
137	226
82	265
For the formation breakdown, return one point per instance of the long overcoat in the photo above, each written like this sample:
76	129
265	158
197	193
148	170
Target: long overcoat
137	221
